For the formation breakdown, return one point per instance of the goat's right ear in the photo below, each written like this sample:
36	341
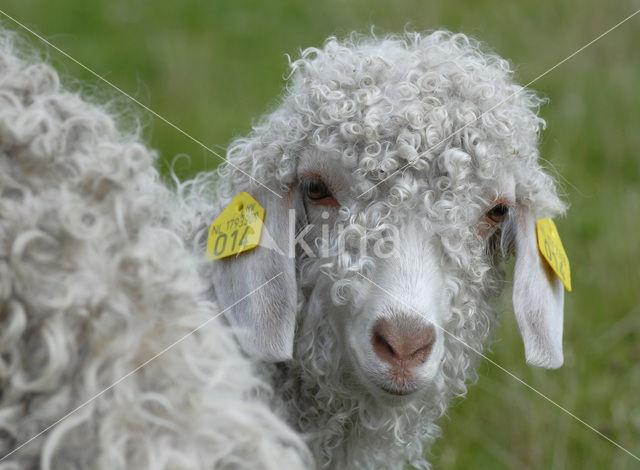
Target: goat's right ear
257	288
538	297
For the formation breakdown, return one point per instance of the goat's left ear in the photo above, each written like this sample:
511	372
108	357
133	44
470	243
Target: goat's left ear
538	297
257	288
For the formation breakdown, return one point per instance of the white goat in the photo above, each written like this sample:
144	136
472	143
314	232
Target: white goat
94	284
368	342
420	147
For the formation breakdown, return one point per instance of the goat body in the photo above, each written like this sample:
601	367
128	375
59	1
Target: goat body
111	357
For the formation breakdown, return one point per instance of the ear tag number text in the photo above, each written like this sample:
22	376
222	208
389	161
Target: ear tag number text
236	229
552	250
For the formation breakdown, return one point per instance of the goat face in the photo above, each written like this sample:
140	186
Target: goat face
385	284
393	186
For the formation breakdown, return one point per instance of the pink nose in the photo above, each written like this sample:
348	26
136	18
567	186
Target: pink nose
401	343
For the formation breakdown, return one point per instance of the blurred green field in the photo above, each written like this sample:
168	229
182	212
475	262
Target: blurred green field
213	67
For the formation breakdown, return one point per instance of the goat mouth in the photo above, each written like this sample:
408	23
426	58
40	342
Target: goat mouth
400	382
399	391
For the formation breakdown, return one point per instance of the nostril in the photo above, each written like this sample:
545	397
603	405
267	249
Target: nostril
423	351
402	343
381	346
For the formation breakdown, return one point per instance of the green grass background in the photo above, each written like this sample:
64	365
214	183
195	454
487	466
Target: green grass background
212	67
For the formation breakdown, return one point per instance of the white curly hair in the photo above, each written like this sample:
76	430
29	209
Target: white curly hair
95	284
419	140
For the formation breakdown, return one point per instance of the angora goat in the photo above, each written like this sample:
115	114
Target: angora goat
397	174
94	284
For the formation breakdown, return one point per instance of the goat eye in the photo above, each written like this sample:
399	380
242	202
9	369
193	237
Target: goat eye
316	189
498	213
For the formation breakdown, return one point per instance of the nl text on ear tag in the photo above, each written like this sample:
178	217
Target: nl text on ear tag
552	250
237	229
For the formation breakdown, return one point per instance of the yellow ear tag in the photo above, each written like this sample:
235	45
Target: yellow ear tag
237	229
552	250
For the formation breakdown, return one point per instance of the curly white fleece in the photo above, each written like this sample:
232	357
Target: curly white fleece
93	283
371	106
